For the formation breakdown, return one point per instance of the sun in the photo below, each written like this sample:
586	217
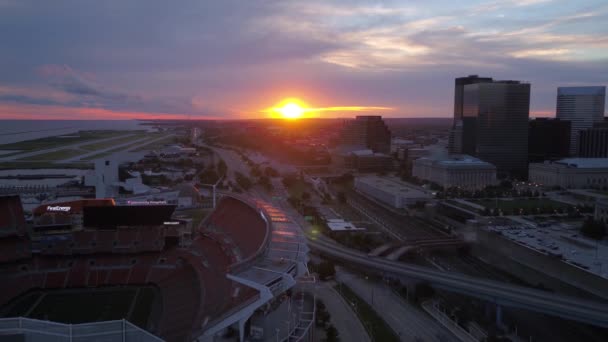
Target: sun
291	110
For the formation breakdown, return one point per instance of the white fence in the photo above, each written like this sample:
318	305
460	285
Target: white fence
35	330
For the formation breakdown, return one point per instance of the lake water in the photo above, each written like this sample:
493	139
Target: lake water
19	130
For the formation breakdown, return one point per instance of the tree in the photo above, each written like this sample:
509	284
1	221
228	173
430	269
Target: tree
326	270
331	334
243	181
593	229
255	171
305	196
424	290
289	180
271	172
209	176
222	168
265	182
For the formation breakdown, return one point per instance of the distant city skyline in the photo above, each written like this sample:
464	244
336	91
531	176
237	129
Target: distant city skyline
234	59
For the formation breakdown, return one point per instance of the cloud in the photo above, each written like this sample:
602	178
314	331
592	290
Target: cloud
234	58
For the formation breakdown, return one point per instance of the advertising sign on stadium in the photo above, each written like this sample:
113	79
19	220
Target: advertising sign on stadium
146	202
58	208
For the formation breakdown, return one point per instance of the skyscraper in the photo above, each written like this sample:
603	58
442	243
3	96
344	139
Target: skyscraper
459	84
548	139
583	106
593	142
460	135
495	124
367	131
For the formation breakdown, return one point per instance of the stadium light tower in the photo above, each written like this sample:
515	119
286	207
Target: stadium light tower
213	186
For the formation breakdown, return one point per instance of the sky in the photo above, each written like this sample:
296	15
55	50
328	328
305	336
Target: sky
84	59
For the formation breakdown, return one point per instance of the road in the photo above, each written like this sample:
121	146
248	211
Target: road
500	292
233	162
410	323
342	315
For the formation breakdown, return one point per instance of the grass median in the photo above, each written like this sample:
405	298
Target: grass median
376	327
61	140
55	155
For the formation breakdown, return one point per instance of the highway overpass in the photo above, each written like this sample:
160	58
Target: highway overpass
572	308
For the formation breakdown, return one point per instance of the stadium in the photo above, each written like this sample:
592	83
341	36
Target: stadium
88	265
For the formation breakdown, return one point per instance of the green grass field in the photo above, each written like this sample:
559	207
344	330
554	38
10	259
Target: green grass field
157	144
87	305
376	327
58	141
197	215
114	150
34	165
526	204
55	155
118	141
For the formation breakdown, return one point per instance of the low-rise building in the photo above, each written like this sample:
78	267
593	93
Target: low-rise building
367	161
455	171
571	173
390	191
601	211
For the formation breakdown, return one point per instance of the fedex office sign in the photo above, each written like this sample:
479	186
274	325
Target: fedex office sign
58	208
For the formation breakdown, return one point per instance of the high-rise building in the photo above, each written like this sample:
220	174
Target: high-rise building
367	131
593	142
459	84
583	106
461	133
495	125
548	139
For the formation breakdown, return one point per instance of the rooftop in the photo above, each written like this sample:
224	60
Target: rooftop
584	163
341	225
393	185
560	239
457	160
595	90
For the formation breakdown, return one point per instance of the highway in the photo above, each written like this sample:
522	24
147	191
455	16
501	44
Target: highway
498	292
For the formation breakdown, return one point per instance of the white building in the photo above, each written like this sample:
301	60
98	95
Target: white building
455	171
571	173
390	190
105	178
601	211
583	106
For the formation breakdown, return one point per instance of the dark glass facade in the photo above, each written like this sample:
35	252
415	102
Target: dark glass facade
367	131
593	143
548	139
495	125
463	137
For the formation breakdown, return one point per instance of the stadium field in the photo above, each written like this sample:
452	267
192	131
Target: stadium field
88	305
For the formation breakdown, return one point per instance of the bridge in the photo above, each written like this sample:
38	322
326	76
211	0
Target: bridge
572	308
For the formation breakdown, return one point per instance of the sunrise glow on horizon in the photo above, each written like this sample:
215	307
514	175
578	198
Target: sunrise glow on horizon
294	108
